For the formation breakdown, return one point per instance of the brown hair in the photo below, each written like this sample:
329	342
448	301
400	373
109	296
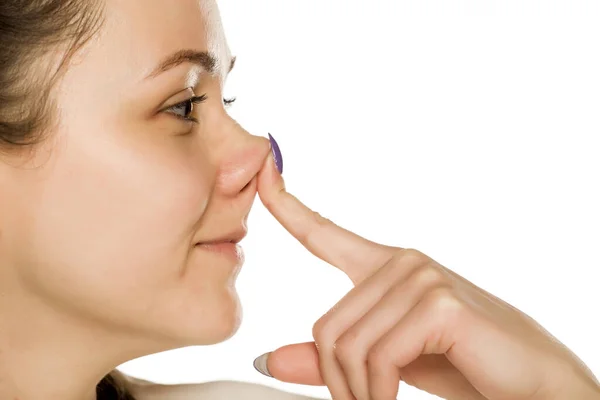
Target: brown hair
113	387
38	38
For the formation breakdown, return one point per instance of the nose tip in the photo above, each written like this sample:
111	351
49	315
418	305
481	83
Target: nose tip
264	147
242	164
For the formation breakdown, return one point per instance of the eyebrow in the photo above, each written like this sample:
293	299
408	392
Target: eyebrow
201	58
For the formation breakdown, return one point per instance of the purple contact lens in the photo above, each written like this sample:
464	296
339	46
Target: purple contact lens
276	154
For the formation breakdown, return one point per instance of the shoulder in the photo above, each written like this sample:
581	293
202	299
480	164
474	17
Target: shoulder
218	390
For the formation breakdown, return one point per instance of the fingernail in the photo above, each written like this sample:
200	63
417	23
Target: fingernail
276	154
260	364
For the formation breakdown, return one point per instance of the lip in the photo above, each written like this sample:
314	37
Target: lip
226	244
235	237
228	249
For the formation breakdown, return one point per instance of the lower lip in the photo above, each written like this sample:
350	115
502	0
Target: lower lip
228	249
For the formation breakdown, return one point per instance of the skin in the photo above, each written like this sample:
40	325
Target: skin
410	319
98	263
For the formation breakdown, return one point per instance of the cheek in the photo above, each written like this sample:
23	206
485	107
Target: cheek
116	221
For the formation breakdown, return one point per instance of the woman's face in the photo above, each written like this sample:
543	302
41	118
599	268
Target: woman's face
103	223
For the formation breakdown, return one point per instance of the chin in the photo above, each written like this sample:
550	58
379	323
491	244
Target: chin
210	323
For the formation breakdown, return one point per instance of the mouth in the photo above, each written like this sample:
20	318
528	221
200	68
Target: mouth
232	237
226	244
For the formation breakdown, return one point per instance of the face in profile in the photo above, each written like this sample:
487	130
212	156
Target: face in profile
143	164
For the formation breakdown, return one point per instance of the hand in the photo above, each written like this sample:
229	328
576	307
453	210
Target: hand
410	319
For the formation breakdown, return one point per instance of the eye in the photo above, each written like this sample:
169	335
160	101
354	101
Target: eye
184	109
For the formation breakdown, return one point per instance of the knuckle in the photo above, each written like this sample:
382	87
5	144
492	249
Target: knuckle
321	220
346	346
427	275
321	332
413	256
444	302
310	236
377	356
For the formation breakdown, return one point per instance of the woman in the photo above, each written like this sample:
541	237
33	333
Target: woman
125	186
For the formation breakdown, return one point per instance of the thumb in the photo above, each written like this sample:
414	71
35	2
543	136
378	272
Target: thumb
294	363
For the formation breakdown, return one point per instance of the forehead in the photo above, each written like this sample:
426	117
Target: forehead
141	33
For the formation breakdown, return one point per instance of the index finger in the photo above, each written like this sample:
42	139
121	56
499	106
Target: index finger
354	255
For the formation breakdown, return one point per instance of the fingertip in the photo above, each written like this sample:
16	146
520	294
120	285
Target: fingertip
277	156
296	363
270	182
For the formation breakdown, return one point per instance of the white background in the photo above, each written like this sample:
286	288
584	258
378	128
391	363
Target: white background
465	129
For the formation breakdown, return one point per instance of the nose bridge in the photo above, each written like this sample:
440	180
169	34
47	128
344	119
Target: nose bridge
240	157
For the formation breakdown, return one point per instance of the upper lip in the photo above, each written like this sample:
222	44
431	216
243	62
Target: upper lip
234	236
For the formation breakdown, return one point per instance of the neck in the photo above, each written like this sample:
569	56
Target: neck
47	354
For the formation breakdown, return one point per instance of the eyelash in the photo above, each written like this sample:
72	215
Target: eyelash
195	100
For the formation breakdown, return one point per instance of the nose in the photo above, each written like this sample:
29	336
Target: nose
240	158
